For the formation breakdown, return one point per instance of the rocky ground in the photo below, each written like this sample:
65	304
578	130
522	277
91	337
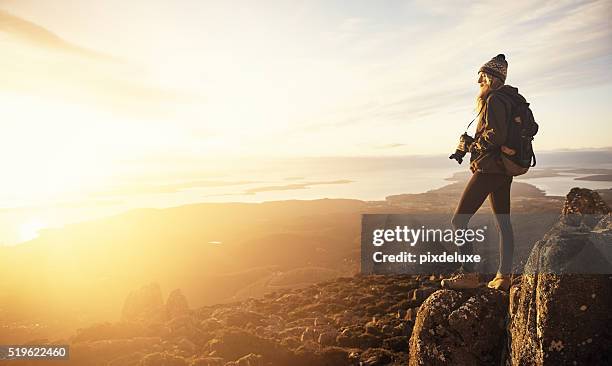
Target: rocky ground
360	320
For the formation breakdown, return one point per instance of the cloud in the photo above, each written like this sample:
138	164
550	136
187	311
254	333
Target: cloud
37	62
544	41
41	37
423	69
390	146
417	71
355	70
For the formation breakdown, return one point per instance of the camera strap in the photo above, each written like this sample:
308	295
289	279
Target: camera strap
481	108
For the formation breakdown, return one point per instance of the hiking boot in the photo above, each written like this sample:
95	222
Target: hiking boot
461	281
501	282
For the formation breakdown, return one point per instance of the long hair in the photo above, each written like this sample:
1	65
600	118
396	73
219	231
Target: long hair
491	83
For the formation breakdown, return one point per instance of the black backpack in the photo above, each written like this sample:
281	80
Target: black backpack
517	153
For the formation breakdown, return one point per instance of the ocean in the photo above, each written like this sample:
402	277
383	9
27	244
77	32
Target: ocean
258	180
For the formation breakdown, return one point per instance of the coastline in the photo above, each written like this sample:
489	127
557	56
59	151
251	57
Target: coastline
369	179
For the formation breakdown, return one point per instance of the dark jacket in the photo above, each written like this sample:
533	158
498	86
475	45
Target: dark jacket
492	130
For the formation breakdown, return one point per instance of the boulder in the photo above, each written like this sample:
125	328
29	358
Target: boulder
250	360
309	334
207	361
176	305
328	338
584	201
560	310
234	343
210	324
162	359
328	356
333	356
459	328
396	344
366	341
376	357
236	317
144	305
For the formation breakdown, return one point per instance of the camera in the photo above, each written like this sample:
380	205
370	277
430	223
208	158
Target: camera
465	141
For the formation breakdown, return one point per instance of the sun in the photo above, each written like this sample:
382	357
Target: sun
29	229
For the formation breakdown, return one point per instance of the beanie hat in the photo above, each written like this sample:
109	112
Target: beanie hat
497	67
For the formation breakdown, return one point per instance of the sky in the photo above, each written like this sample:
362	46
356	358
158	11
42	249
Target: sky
92	92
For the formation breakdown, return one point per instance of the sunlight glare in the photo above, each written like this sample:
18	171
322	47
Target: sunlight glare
29	229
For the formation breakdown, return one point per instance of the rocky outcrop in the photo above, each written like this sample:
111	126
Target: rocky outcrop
459	328
585	202
144	305
176	305
560	311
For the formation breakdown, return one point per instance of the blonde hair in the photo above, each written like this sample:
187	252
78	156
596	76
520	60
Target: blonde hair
493	83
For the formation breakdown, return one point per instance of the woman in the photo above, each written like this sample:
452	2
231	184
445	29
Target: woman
489	177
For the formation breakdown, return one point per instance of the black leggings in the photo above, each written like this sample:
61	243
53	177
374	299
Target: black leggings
497	187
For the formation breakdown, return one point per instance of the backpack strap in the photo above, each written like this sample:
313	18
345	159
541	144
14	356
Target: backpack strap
510	108
508	101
